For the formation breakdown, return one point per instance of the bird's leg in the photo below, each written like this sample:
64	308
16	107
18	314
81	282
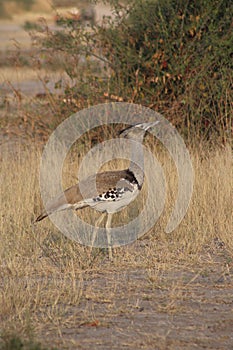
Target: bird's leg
97	223
108	226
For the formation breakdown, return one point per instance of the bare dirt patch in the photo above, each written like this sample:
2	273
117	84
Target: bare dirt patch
186	311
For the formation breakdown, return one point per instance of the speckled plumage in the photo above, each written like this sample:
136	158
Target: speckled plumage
111	186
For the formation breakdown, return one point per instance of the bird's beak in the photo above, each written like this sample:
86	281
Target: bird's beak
147	126
143	126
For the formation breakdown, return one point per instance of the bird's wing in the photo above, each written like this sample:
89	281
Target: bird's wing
85	193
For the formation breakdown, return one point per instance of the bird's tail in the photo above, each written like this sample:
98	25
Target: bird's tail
57	204
42	216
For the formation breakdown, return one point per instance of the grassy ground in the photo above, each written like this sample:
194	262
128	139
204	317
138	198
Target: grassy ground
164	291
172	290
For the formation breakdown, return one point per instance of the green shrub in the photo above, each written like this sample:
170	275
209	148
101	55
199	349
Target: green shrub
29	25
176	56
173	56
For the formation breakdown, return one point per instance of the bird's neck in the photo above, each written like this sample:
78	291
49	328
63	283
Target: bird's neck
137	162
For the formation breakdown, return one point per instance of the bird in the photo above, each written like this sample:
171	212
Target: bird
115	189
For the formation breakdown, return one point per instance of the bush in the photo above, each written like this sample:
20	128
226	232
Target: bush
173	56
176	56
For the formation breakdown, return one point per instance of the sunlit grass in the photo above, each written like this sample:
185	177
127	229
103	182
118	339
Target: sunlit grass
42	272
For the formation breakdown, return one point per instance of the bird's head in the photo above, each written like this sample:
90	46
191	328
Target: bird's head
137	131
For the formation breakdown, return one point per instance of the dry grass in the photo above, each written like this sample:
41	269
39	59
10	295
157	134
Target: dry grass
16	12
50	285
12	34
24	74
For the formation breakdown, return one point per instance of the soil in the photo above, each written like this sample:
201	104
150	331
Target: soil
203	319
182	308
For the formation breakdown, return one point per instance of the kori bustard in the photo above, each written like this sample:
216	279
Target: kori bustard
116	189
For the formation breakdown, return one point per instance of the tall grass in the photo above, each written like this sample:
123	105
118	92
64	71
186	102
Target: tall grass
42	272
